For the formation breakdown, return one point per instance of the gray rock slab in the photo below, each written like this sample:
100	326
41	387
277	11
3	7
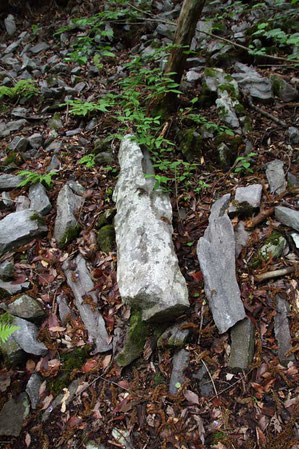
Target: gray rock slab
253	83
39	200
251	194
32	389
287	216
13	414
148	273
9	289
7	270
282	330
27	308
242	345
179	363
9	181
57	401
173	336
275	176
216	255
241	237
10	25
19	228
81	287
26	337
68	203
7	128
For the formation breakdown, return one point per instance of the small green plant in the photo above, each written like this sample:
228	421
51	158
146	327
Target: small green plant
244	163
23	88
34	178
88	160
6	327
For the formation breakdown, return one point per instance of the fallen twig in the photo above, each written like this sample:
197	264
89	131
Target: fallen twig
274	274
259	218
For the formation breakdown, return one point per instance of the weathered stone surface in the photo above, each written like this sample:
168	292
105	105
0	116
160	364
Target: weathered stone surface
216	255
18	228
66	225
8	289
39	200
282	330
7	269
27	308
275	176
242	345
173	336
241	237
9	181
287	216
81	288
26	337
179	363
251	194
32	389
253	83
13	415
148	274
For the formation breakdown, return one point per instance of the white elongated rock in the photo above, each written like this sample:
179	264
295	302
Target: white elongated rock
216	255
18	228
148	273
81	287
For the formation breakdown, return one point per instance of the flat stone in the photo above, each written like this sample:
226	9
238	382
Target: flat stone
253	83
39	199
9	289
242	345
19	143
241	237
173	337
148	273
66	225
19	228
179	363
275	176
13	414
216	255
32	389
22	203
41	46
26	307
26	337
287	216
78	278
282	330
7	270
251	194
9	181
35	140
7	128
10	25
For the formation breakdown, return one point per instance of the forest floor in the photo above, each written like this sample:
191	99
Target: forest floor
253	408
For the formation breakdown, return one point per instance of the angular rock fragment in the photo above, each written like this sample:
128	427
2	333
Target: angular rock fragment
148	274
216	255
179	363
26	337
275	176
287	216
242	345
19	228
66	226
39	199
13	414
79	280
282	330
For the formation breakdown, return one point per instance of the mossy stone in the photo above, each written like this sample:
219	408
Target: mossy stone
190	144
69	235
135	340
106	238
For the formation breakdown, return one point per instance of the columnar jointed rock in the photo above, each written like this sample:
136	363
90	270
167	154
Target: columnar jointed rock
79	280
18	228
216	254
148	274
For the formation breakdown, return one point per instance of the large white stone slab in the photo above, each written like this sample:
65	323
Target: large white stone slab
148	273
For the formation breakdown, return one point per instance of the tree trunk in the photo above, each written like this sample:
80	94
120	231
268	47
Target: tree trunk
185	30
